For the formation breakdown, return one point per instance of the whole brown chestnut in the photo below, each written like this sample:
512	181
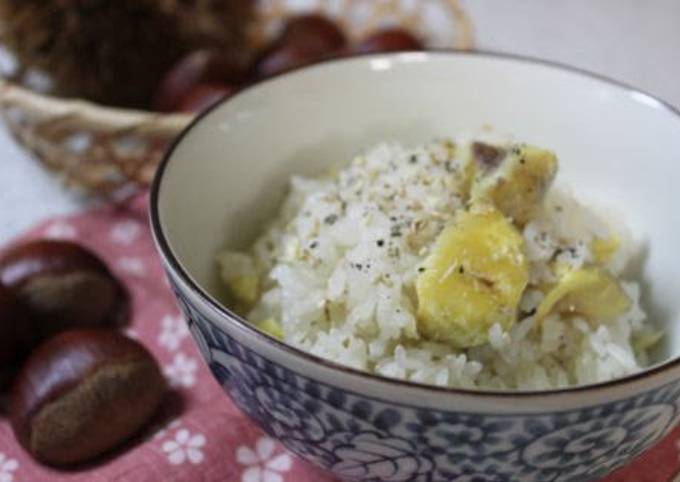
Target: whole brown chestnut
387	40
282	59
16	335
64	286
199	67
305	39
82	394
314	34
204	96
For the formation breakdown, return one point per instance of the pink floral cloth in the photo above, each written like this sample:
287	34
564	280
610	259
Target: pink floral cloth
200	436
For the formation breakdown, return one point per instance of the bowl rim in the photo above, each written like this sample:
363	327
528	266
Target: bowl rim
166	252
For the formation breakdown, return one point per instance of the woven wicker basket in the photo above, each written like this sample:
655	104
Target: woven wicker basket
106	150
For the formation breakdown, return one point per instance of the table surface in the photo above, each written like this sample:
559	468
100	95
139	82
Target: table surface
630	40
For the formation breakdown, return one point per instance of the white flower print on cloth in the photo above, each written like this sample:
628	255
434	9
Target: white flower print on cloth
126	232
161	430
61	230
7	468
185	447
173	331
182	371
261	464
132	266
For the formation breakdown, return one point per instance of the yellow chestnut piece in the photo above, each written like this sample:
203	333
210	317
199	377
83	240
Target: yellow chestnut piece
240	276
646	339
271	327
244	288
604	249
516	183
473	279
589	292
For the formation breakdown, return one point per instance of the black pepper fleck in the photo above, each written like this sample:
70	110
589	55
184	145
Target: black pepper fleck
413	159
461	270
330	219
313	245
380	243
421	270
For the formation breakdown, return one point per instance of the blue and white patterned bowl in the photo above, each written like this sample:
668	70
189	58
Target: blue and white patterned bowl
226	176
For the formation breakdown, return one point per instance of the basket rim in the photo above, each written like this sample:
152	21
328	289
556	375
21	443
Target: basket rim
168	255
111	117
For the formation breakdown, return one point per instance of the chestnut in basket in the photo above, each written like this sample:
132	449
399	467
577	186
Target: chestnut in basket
198	67
64	286
82	394
16	335
204	96
314	34
388	40
285	57
305	39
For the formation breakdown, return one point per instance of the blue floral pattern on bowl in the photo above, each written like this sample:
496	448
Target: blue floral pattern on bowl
364	439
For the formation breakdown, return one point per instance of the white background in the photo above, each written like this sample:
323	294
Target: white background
635	41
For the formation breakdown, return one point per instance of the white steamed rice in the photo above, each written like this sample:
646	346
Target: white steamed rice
338	265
